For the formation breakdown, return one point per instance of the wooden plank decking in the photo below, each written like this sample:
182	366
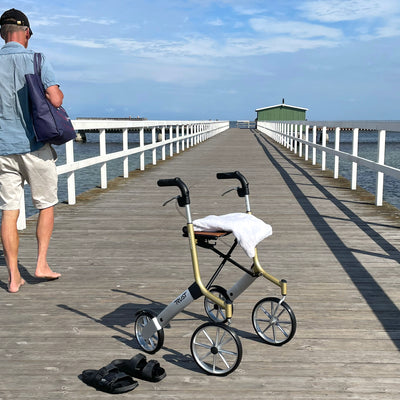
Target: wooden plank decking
120	251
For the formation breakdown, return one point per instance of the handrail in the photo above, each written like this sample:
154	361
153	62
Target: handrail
174	135
296	134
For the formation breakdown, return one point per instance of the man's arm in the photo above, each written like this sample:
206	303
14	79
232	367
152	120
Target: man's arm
54	95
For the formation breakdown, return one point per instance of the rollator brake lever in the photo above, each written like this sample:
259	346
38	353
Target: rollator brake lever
168	201
230	190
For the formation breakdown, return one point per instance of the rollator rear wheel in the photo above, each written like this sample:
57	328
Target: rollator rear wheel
275	323
216	349
156	341
214	311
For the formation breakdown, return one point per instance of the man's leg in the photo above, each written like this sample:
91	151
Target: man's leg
10	240
44	230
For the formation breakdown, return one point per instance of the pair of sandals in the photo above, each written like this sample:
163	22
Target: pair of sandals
116	377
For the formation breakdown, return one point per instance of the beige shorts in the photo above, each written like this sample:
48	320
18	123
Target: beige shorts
38	168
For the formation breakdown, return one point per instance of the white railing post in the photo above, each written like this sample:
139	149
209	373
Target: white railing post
141	145
103	151
171	135
296	143
300	143
381	160
69	159
163	141
125	148
354	163
336	158
314	150
323	154
178	143
283	137
153	141
306	146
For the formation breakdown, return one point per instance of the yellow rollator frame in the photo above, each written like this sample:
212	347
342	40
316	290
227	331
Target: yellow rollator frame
196	272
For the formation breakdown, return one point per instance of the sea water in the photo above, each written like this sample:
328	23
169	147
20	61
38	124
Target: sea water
89	177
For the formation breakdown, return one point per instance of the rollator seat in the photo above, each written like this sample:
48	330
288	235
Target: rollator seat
203	235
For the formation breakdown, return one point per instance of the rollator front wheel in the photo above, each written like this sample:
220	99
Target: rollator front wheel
152	344
214	311
216	349
274	321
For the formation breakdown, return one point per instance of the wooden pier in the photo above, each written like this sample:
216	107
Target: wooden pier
120	251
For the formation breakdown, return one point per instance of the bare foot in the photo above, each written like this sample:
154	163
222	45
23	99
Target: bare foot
47	273
14	287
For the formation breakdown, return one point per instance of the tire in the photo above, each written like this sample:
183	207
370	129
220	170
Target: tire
274	323
156	341
216	349
214	311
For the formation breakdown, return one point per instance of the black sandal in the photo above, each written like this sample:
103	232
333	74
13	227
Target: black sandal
109	379
138	367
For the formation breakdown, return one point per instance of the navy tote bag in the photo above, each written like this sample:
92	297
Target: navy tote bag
52	125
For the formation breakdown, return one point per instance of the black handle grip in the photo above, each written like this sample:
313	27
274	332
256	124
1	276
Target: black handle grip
184	198
244	190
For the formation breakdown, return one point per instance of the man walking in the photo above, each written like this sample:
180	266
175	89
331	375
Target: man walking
22	157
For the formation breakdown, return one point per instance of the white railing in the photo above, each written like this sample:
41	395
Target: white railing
171	137
301	137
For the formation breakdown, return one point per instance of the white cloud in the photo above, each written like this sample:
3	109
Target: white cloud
99	21
244	10
391	29
216	22
348	10
79	42
293	28
279	44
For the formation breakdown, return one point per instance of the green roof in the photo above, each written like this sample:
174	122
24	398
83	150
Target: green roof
282	105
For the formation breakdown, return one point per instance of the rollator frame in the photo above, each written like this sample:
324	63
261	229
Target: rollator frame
222	351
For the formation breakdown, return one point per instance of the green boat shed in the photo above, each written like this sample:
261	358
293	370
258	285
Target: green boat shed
281	112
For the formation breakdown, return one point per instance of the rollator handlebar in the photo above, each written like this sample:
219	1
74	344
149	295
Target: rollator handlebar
184	198
242	191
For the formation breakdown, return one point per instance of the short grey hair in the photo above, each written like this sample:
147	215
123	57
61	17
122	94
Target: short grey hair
11	28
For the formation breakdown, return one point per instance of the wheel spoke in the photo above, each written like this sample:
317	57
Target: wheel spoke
205	356
229	352
283	310
268	326
266	312
205	346
228	339
223	360
208	337
282	330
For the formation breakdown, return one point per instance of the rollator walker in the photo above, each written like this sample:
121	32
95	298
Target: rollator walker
215	347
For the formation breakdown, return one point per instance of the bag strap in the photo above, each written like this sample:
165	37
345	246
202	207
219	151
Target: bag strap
37	63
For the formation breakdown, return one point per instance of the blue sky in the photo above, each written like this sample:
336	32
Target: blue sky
206	59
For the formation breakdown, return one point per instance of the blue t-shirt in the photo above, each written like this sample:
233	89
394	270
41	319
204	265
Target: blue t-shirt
16	128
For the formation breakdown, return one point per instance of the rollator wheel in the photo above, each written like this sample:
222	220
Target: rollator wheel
275	323
156	341
216	349
214	311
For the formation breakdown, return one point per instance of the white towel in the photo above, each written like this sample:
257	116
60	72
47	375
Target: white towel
248	230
